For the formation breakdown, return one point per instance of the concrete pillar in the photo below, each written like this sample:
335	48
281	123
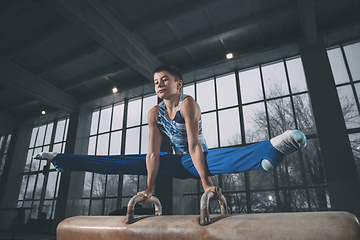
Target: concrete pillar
340	169
71	183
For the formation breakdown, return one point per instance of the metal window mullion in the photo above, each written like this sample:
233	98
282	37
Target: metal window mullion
276	182
220	176
302	165
122	151
243	139
352	84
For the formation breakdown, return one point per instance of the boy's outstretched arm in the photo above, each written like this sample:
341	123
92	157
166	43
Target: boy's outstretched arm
153	154
191	113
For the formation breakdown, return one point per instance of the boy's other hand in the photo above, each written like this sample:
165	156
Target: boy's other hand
147	193
216	190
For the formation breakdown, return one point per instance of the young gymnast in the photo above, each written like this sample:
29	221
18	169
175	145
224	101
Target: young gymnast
179	117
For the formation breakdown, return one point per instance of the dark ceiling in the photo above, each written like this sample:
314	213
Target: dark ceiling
57	54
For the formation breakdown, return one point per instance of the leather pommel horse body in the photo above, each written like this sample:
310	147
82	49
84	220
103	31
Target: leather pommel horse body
306	225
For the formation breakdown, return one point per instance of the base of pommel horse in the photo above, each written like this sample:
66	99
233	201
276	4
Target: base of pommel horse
297	226
309	225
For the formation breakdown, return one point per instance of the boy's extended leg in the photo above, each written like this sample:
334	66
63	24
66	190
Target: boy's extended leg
264	155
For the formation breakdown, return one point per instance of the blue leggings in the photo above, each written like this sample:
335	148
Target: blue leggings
221	160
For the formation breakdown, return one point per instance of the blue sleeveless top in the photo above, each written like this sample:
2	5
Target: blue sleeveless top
176	131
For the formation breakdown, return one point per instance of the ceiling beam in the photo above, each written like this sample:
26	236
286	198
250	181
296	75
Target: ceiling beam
57	27
307	13
79	54
30	85
236	26
93	76
99	23
176	12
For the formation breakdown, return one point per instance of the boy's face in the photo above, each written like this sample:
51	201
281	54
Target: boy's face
166	85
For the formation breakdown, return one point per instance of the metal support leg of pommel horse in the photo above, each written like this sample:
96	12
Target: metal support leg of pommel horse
306	225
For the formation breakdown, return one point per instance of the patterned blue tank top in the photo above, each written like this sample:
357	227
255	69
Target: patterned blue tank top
176	131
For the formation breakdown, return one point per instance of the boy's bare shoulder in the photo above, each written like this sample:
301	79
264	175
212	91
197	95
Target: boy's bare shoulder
153	112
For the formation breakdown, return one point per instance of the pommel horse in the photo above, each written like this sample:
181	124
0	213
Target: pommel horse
299	226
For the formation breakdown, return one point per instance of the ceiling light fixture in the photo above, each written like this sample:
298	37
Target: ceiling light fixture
229	55
43	112
115	90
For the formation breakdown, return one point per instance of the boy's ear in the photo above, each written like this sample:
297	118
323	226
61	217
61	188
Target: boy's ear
179	83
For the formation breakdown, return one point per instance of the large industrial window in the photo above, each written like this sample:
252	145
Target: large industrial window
40	181
252	105
117	129
344	61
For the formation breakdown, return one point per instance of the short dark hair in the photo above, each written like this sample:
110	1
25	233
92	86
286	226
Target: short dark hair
170	69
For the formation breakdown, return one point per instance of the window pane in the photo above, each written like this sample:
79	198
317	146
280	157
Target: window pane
47	208
40	136
118	113
229	127
352	53
59	131
275	80
85	207
293	201
58	148
226	91
289	171
304	116
134	109
319	199
250	85
102	144
261	180
115	143
98	185
236	203
87	184
144	139
28	160
48	133
233	182
338	66
91	148
94	122
112	185
263	202
33	136
39	185
314	167
105	116
255	122
296	75
189	90
51	184
190	186
35	163
110	205
96	208
205	92
348	106
355	145
148	103
130	185
191	205
30	187
23	186
281	116
132	141
209	128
